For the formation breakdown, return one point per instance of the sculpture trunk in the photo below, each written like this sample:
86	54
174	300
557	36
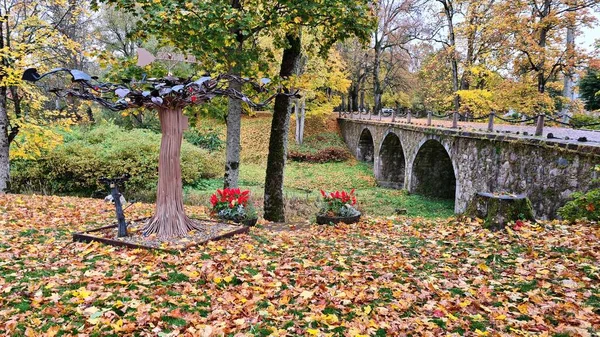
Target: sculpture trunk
169	219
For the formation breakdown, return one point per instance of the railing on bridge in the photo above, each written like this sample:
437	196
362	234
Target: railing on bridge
539	120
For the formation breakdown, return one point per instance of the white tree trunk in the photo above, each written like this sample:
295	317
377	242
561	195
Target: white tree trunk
302	119
569	84
298	120
234	127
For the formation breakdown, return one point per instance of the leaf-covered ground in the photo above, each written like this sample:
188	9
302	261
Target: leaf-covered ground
379	277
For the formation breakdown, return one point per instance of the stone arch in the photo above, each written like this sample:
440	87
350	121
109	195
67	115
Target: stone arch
392	162
366	147
433	172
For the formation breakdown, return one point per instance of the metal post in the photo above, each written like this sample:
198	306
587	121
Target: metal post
370	114
380	113
523	118
539	129
394	116
455	120
119	210
429	115
350	104
408	116
491	122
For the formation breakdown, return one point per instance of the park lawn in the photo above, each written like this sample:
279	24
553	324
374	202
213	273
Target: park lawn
383	276
303	181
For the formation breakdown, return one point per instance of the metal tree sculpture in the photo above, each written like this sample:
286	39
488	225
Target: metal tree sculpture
168	96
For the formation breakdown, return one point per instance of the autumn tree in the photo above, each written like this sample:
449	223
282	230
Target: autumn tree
358	62
538	29
449	12
330	21
397	25
30	33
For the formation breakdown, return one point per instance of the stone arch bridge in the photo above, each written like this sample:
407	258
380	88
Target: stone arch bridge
456	164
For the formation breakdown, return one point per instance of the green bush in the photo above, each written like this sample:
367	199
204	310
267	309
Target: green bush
582	120
323	147
208	140
582	206
75	166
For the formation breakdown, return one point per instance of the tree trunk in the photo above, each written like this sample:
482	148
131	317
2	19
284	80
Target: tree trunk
4	143
274	204
297	113
541	77
449	14
234	129
569	86
234	115
169	218
377	91
353	94
302	119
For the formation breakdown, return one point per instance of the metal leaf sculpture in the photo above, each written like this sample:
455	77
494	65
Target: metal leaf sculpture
168	95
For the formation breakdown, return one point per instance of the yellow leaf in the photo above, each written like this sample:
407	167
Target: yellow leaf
481	333
523	308
228	279
367	309
82	293
500	317
313	332
464	304
484	267
217	280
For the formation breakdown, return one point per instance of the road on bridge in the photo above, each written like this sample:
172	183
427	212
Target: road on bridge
561	134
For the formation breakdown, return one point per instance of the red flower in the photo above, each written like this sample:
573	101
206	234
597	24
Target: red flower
518	225
193	99
230	198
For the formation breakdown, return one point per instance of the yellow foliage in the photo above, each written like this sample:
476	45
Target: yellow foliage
476	102
34	141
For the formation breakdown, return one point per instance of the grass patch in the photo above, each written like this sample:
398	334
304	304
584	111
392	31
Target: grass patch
303	180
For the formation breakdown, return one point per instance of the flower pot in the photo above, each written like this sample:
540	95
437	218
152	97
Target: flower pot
249	222
325	219
246	222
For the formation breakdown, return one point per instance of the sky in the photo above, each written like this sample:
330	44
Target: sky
589	35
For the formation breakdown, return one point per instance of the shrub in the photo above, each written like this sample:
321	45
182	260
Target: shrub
209	140
330	154
582	120
75	166
583	205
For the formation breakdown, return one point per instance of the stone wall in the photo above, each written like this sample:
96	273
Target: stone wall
547	171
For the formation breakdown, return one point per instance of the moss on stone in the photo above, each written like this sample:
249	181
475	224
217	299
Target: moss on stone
498	210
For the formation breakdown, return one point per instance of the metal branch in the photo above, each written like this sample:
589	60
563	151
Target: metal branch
153	93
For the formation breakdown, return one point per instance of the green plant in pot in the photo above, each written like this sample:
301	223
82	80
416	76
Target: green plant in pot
232	204
338	206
